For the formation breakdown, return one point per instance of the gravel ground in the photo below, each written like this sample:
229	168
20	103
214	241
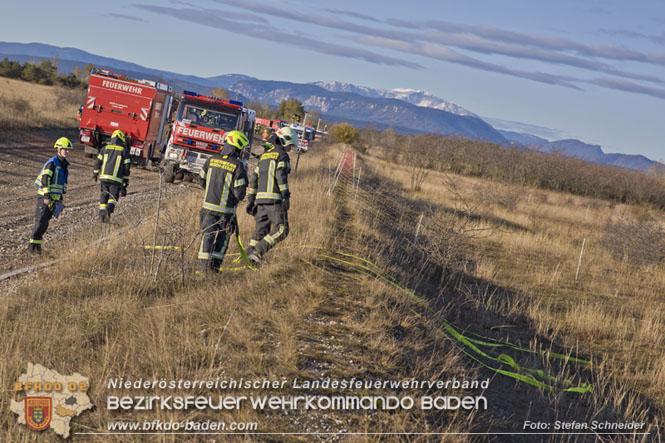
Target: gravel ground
22	156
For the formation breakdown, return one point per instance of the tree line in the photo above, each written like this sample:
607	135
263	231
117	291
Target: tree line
510	165
45	72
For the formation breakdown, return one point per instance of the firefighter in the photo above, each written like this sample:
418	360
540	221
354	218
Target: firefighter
269	195
52	185
112	169
225	181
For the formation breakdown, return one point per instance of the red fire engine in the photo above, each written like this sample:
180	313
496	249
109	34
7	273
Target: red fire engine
139	108
267	123
198	132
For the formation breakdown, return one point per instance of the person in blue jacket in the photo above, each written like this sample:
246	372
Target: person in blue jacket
51	186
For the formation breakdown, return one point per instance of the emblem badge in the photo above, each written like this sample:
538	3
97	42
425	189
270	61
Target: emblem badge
38	412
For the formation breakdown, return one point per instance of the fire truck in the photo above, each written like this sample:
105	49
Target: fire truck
272	124
306	136
140	108
198	132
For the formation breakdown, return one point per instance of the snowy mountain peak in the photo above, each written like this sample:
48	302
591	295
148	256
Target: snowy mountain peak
414	96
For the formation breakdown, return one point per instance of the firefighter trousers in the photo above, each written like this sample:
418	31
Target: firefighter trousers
272	226
110	191
43	214
216	231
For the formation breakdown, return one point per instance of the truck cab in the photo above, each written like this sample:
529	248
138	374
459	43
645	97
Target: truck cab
198	132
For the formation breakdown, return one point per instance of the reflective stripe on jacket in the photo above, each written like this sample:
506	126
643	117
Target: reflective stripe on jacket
52	179
269	183
113	163
225	183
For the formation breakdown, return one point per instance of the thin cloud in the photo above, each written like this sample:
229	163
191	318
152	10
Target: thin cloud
353	15
224	20
125	17
626	86
443	53
483	45
658	39
483	39
525	128
436	45
611	52
314	19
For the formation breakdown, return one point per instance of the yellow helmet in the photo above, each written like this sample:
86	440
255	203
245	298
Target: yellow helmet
63	143
118	133
237	139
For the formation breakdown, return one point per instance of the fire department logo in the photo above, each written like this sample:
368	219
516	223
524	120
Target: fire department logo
38	412
51	399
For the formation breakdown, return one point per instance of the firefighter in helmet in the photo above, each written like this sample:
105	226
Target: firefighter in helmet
51	187
269	195
112	170
225	181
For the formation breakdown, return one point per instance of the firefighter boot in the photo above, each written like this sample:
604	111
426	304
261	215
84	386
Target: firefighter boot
35	248
104	216
254	258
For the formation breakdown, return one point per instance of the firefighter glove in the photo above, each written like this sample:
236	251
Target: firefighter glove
123	191
59	206
251	208
286	203
94	177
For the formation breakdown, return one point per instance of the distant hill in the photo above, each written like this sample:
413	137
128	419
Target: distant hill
69	58
365	110
405	110
413	96
585	151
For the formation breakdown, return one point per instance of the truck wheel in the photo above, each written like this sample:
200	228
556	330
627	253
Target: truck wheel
179	175
169	173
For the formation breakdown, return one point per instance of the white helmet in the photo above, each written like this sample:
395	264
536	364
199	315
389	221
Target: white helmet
287	136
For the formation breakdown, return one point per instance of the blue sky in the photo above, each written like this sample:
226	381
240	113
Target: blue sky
593	70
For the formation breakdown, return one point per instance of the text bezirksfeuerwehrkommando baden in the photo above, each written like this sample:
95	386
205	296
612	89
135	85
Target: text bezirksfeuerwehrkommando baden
341	397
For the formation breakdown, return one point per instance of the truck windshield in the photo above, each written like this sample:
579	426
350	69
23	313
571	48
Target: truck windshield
208	117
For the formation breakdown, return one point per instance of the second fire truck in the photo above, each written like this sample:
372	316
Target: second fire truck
198	132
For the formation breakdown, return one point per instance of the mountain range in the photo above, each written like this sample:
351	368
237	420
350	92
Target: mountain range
404	110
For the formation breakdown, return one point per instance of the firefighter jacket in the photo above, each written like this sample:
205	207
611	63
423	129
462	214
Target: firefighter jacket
269	183
52	179
112	164
225	182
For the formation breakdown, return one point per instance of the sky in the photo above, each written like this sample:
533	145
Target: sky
592	70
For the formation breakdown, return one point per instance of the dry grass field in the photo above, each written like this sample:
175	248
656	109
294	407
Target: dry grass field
115	309
515	252
27	105
376	281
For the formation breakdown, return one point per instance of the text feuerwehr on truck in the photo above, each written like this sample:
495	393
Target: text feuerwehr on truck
198	132
140	108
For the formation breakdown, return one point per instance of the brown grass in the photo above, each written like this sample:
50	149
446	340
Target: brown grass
495	259
26	105
527	242
117	310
